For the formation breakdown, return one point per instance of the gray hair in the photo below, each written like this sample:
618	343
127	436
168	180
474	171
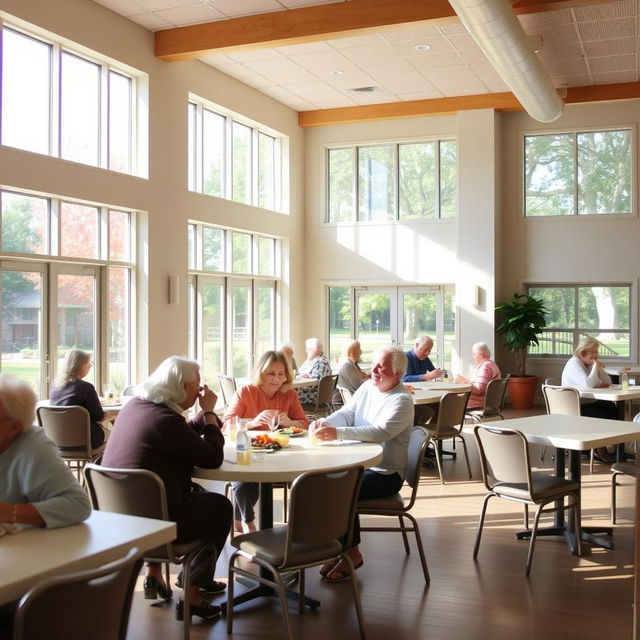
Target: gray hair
18	400
74	359
423	339
398	359
481	347
166	383
312	343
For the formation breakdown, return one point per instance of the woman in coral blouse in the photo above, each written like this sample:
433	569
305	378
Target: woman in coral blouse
268	400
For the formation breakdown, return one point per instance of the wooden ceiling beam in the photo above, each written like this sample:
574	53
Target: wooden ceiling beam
323	22
444	106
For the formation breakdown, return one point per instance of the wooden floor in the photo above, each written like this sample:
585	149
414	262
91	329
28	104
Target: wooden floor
565	597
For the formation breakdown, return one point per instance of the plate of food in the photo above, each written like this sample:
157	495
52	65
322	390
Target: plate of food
264	442
292	432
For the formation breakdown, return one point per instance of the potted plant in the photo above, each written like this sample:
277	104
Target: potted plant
523	320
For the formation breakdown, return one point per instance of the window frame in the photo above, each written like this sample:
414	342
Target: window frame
574	133
393	216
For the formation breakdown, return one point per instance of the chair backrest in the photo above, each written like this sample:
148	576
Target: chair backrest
494	396
70	429
453	404
556	381
228	387
129	391
418	442
94	603
134	492
561	400
345	394
504	456
323	505
326	387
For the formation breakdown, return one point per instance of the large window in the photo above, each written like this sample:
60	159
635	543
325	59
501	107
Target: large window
578	173
232	158
66	270
233	299
576	311
64	103
408	181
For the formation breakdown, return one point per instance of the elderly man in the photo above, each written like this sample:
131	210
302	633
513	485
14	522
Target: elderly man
381	411
419	365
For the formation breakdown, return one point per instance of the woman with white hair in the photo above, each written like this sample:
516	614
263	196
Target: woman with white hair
71	389
486	371
151	433
37	487
315	366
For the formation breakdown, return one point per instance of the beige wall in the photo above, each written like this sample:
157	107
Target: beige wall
164	196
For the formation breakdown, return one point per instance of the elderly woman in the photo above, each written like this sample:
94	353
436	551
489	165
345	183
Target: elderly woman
486	371
268	401
37	487
71	389
151	433
351	376
315	366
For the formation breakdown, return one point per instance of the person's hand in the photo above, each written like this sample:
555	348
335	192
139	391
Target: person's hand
303	375
263	419
462	379
598	364
207	399
325	432
432	375
602	385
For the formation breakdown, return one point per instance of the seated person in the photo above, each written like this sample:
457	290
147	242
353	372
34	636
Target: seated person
419	365
486	371
584	371
380	411
70	389
350	376
37	488
269	398
286	349
151	433
315	366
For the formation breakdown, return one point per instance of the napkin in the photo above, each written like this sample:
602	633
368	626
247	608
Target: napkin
9	527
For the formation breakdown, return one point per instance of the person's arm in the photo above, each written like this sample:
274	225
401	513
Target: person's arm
574	374
413	369
481	379
21	513
350	376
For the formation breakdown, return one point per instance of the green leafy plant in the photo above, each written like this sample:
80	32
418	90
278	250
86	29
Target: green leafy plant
523	320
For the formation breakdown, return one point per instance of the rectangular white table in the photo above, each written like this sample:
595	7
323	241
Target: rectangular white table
613	394
577	434
26	558
432	392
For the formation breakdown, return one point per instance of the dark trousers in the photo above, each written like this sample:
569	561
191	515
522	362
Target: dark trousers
208	518
599	409
375	485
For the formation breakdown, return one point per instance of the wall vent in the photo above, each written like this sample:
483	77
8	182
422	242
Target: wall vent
366	90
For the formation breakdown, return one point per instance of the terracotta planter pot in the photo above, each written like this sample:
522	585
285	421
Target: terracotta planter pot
522	391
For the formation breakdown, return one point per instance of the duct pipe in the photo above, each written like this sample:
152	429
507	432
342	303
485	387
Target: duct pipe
500	36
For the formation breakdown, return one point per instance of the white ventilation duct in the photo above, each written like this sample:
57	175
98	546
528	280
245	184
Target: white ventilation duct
499	34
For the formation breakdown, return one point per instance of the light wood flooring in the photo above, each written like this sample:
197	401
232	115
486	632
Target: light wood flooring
565	597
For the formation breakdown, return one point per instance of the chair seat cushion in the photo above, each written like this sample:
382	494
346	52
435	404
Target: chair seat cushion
391	503
544	487
630	468
444	432
269	545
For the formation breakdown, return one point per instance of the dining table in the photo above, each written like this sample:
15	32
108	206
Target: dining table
614	393
285	465
35	553
431	392
575	434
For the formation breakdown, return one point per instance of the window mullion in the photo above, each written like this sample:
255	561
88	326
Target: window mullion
105	118
55	98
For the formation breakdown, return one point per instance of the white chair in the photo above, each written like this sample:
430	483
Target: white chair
494	397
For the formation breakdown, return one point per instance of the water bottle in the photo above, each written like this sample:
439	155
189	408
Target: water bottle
445	375
624	380
243	446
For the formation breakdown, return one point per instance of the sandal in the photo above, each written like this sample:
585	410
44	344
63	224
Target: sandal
327	568
338	575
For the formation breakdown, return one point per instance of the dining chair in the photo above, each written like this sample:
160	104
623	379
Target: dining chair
70	429
620	469
555	381
139	492
129	391
228	387
322	509
94	603
395	506
494	398
451	413
345	395
506	473
563	401
324	398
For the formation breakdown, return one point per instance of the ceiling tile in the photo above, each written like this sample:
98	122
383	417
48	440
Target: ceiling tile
234	9
312	48
459	72
272	65
463	42
572	80
605	11
460	87
437	45
125	8
436	60
159	5
607	29
357	41
421	33
386	67
351	80
616	76
420	95
613	63
328	62
619	46
190	15
253	55
371	52
297	4
257	81
151	21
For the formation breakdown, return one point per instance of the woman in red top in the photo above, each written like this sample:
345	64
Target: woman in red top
270	399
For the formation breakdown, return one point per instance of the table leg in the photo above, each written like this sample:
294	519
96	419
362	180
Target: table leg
262	590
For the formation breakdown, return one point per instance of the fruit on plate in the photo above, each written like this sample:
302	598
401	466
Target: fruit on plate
290	431
266	442
281	438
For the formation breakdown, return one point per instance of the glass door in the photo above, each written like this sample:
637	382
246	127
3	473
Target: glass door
420	313
210	343
265	316
376	319
239	316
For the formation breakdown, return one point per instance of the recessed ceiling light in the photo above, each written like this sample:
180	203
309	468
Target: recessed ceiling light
422	47
337	72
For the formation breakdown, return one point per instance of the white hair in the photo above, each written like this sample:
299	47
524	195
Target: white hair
312	343
166	383
74	359
398	359
424	339
481	347
18	400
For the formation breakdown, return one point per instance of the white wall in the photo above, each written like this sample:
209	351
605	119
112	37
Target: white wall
164	195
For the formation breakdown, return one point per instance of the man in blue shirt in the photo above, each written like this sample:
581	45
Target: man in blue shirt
420	366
